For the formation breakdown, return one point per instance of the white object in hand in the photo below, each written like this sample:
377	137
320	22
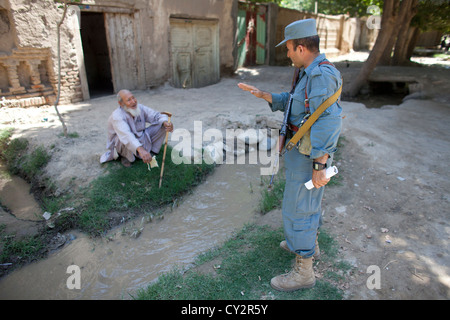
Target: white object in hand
331	171
152	163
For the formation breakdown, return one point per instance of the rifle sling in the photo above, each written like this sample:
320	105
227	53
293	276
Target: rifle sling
307	125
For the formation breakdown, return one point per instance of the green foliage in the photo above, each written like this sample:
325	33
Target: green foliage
33	162
355	8
272	199
12	153
19	160
433	15
5	135
19	250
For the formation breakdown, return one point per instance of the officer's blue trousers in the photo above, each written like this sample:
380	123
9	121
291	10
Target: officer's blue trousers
301	207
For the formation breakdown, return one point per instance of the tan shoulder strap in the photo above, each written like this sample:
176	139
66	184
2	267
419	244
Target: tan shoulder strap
307	125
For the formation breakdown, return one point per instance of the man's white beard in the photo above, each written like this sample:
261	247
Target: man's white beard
133	112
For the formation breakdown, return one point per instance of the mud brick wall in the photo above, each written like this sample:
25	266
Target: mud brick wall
28	54
71	90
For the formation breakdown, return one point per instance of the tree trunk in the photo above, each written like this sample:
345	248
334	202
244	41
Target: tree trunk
415	32
388	20
399	33
58	32
386	57
408	10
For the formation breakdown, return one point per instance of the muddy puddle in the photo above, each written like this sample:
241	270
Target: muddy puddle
115	266
16	196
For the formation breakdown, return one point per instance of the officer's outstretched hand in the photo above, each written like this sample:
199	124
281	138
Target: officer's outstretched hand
256	92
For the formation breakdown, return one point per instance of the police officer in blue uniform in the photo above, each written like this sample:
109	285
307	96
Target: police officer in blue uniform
301	209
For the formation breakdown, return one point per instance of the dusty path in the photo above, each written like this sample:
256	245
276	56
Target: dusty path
392	208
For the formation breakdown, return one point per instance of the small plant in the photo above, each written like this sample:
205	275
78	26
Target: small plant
17	251
18	158
272	199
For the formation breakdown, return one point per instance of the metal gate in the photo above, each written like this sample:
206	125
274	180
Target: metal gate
251	25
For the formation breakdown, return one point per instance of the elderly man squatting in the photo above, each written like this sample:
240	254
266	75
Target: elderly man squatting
128	134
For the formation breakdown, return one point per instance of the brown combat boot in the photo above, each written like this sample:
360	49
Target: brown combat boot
283	245
300	277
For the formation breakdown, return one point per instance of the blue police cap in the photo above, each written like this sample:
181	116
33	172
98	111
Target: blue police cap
299	29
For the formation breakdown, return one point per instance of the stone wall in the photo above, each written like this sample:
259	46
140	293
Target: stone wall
29	61
27	75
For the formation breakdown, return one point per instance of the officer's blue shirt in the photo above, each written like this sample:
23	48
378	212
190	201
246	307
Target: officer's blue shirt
323	81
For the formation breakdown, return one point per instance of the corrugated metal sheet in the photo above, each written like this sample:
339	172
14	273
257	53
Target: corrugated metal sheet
260	38
242	30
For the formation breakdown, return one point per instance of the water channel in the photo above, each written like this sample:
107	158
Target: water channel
15	195
115	266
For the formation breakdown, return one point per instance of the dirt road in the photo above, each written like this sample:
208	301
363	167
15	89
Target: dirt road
391	211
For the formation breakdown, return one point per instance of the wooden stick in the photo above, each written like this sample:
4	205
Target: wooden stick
165	149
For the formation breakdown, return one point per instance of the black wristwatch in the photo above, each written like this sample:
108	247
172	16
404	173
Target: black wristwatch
319	166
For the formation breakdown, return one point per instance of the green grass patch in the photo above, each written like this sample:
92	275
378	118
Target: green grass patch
443	56
19	159
241	269
15	251
272	199
69	135
5	135
135	188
